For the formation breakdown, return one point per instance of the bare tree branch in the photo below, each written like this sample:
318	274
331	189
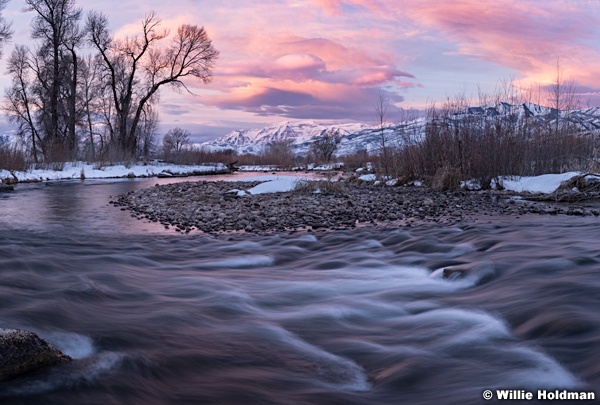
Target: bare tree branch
138	67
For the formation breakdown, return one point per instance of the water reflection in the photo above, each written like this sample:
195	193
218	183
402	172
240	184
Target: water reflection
75	205
61	204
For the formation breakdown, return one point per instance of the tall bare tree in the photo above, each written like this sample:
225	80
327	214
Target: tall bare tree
20	101
5	26
137	68
562	96
90	95
381	108
42	100
55	24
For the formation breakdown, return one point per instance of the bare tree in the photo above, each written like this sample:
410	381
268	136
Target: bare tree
148	129
5	27
381	107
137	67
90	94
279	153
20	101
562	95
56	25
42	99
323	148
175	141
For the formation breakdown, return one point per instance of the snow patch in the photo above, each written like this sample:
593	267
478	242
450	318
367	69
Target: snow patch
368	177
546	183
281	185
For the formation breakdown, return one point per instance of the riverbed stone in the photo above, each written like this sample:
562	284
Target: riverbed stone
203	206
22	352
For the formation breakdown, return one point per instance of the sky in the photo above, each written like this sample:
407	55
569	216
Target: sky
330	59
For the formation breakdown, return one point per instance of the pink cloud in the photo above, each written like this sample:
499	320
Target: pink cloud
294	75
300	61
525	35
331	7
300	58
337	7
343	102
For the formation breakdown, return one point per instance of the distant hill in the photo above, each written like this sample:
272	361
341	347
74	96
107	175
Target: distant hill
357	136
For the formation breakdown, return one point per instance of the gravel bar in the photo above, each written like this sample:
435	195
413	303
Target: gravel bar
208	207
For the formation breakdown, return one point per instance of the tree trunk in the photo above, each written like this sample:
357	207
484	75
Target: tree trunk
72	117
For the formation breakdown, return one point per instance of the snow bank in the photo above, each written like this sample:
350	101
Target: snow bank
546	183
329	166
4	174
258	168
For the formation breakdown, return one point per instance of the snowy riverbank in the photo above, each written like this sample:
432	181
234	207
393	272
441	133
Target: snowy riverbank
82	170
547	183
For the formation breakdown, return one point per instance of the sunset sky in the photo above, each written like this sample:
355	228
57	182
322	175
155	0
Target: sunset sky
328	59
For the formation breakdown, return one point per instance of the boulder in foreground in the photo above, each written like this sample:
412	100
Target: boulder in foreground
22	352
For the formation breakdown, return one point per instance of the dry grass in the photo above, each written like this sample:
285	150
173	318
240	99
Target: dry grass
446	178
319	186
12	159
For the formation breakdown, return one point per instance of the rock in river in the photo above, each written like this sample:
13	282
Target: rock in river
22	352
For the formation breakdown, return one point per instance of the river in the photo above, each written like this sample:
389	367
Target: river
363	316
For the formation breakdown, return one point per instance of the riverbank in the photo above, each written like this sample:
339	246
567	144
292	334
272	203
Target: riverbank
82	170
221	207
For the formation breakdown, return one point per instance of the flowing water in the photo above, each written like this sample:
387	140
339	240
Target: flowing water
152	316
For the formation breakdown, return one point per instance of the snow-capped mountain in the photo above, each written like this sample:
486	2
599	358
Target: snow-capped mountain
353	136
357	136
299	133
582	120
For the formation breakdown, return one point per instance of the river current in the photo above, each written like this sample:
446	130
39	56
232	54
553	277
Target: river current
362	316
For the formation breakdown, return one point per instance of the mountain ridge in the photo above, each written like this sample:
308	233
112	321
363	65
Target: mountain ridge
361	136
